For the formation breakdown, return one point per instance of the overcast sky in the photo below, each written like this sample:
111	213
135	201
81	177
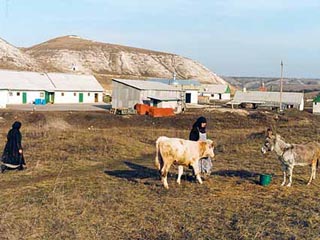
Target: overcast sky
230	37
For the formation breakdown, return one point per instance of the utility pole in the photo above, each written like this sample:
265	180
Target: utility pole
281	86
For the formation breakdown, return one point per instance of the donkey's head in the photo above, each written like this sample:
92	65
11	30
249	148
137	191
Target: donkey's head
269	142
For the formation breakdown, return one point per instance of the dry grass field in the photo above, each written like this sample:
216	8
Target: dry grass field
99	182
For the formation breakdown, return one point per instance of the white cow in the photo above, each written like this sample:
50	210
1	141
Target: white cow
181	152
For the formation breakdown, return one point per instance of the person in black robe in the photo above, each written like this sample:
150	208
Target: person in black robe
12	157
198	131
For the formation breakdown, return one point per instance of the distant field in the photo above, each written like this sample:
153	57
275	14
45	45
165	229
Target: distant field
91	176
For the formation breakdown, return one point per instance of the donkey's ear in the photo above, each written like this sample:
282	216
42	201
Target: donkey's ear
269	132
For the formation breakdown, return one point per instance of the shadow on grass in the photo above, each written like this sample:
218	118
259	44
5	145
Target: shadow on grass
242	174
136	173
140	173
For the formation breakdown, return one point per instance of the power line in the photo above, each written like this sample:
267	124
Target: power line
7	8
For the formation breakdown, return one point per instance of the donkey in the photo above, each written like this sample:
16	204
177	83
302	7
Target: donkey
291	155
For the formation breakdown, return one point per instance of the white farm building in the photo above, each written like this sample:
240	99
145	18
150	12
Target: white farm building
27	87
268	99
190	87
216	92
316	105
71	88
127	93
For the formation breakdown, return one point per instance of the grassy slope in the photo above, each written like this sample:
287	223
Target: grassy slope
101	183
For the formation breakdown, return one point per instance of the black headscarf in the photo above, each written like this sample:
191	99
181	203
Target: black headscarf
196	128
11	153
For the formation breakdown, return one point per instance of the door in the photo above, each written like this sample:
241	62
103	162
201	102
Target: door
51	97
24	97
188	97
46	97
80	97
96	97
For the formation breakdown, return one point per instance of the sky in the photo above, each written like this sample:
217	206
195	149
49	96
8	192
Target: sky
230	37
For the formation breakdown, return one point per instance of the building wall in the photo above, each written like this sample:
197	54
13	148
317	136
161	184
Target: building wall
301	107
194	96
159	94
124	96
3	98
73	97
216	96
16	97
170	104
316	108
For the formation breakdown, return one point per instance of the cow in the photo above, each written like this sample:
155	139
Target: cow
183	153
291	155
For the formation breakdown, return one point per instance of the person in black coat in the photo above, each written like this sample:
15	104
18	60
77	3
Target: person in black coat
12	157
198	131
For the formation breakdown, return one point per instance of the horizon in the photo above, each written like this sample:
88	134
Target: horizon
247	39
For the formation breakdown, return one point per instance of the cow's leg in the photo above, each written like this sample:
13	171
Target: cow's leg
284	171
290	171
197	172
164	174
180	172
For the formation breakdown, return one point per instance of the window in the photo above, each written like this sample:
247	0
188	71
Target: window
62	94
18	93
41	94
88	94
75	94
10	94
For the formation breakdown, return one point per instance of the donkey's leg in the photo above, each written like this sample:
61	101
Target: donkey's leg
290	171
313	171
284	171
180	172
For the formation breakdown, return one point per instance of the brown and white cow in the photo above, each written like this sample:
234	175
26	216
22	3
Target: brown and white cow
183	153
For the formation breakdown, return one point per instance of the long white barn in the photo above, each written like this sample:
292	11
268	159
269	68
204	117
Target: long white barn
28	87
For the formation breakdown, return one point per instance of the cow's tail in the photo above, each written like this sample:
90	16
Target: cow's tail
158	159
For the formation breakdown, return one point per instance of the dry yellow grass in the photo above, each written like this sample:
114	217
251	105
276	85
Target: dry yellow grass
101	183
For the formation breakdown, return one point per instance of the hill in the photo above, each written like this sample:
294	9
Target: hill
13	58
110	60
272	84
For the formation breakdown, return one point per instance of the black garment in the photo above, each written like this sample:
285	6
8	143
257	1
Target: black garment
11	155
196	129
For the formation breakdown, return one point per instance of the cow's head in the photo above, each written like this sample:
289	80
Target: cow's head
207	149
269	142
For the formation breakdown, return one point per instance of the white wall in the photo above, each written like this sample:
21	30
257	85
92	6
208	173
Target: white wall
170	104
316	108
175	105
13	97
194	96
73	97
145	94
301	105
216	96
88	97
3	98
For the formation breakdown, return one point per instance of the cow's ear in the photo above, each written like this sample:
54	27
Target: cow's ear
269	133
